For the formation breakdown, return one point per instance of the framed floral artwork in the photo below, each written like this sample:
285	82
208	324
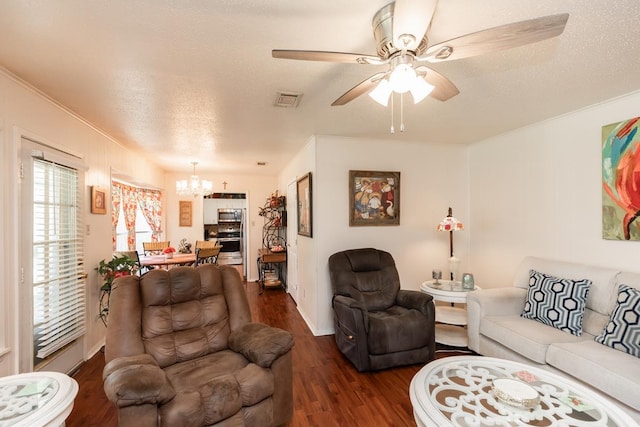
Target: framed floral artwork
98	200
374	198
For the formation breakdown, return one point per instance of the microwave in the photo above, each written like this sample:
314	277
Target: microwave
229	215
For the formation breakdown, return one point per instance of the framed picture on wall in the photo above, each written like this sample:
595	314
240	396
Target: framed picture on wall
620	193
305	208
185	213
98	200
374	198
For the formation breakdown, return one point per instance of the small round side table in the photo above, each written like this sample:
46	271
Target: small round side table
36	399
450	320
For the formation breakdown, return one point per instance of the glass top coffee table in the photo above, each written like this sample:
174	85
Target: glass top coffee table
457	391
36	399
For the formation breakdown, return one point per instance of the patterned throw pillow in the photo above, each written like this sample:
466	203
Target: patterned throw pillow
556	302
623	330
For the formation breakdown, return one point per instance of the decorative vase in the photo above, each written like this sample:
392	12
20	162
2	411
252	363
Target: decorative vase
169	255
468	283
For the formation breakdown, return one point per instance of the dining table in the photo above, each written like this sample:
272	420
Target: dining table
163	261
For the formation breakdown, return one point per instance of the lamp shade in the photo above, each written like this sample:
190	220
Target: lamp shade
420	89
450	223
381	92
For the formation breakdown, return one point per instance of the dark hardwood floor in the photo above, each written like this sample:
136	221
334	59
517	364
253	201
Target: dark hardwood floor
327	390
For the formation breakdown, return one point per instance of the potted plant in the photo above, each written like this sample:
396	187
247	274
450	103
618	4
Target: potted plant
119	265
169	251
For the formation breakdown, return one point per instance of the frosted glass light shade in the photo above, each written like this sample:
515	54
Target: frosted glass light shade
402	78
420	89
381	93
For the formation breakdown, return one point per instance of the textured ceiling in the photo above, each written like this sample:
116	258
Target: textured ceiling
195	80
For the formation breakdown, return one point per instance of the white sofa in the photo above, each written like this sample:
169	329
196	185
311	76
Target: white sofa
496	329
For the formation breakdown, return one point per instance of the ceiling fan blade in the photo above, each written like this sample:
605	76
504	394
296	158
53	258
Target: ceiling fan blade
498	38
411	18
359	89
315	55
443	88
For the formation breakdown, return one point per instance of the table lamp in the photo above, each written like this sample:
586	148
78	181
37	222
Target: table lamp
451	224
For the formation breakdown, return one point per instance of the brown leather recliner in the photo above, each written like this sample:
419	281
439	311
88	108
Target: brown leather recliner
378	325
181	351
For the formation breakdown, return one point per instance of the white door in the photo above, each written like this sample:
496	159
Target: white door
292	240
52	314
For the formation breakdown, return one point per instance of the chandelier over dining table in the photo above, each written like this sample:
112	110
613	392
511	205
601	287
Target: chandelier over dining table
194	186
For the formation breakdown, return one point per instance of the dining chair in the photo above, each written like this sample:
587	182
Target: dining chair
206	244
154	248
207	255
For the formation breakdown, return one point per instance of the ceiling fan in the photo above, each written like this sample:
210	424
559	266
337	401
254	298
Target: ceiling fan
401	32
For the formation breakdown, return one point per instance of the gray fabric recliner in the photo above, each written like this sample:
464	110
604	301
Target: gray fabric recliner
181	351
378	325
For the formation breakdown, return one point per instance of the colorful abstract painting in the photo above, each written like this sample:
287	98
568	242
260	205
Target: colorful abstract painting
621	180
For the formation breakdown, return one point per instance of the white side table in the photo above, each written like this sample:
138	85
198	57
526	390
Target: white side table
36	399
451	320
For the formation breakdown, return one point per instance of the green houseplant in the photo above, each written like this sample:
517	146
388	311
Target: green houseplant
119	265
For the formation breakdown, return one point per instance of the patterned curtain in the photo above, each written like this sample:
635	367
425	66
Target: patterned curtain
116	200
151	207
129	206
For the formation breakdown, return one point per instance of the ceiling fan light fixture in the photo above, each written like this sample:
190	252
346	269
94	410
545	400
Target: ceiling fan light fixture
382	92
402	78
420	89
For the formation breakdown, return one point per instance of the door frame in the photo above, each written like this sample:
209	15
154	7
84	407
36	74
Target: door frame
292	240
70	357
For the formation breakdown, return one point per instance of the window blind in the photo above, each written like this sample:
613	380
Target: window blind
58	266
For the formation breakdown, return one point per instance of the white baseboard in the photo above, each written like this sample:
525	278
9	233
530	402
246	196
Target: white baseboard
313	329
93	350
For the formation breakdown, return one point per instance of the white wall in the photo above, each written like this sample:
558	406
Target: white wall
433	177
303	163
258	190
538	191
24	110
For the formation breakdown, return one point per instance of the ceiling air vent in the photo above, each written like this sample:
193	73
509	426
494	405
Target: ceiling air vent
287	99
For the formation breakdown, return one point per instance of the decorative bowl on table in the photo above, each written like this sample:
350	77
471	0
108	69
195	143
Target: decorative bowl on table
277	248
515	393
